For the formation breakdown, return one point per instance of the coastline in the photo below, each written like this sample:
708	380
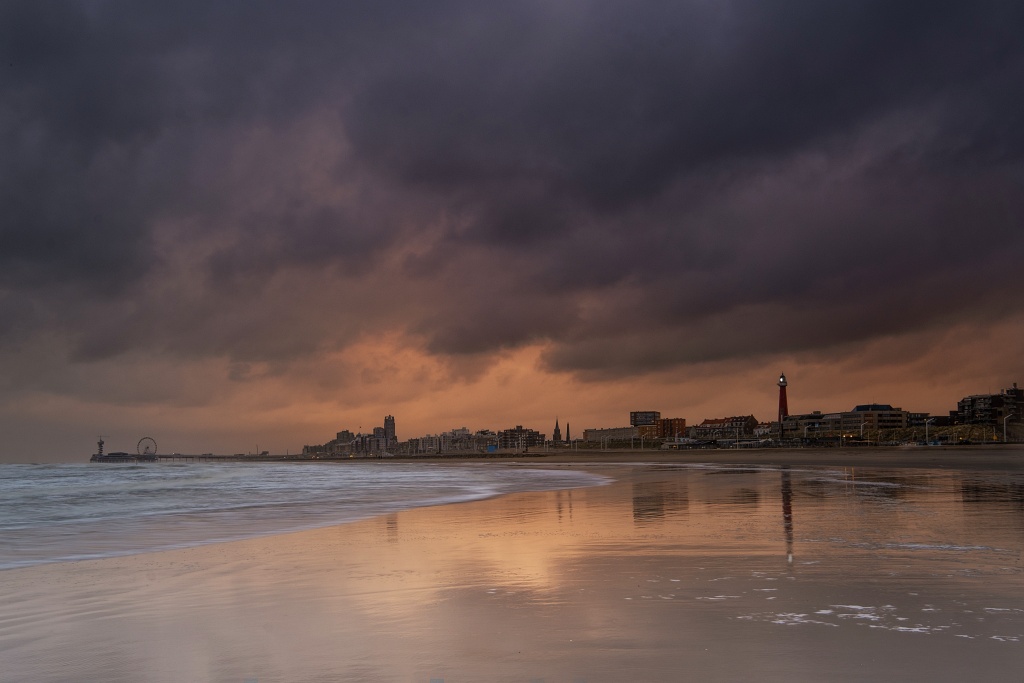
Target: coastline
1010	457
913	455
667	569
976	457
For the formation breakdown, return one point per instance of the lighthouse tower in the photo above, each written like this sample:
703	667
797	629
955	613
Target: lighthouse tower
783	404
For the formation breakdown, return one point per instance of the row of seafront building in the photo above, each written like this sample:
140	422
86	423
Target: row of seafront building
995	416
991	417
381	442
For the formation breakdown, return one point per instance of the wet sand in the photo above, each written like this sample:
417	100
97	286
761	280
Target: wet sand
850	572
976	457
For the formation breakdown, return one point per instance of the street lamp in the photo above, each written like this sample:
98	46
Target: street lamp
1008	416
926	423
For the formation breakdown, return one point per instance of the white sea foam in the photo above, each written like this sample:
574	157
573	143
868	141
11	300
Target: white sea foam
52	513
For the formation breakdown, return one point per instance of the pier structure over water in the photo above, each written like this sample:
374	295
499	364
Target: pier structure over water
145	451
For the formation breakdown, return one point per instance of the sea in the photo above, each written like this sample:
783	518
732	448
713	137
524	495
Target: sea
64	512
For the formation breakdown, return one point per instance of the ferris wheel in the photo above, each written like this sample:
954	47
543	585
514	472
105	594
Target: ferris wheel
146	446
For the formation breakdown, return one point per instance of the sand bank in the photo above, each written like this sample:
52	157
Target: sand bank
671	573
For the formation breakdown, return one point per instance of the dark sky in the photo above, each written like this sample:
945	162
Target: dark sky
342	207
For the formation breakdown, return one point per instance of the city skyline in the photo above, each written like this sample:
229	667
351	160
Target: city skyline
245	223
972	411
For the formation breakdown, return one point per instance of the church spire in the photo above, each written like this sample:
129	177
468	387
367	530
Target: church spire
556	436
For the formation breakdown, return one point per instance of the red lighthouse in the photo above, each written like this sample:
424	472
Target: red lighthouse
783	404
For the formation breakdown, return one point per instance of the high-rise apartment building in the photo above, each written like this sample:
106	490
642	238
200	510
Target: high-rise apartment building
639	418
992	409
519	438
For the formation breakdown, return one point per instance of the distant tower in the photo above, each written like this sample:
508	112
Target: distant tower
567	437
389	429
556	436
783	403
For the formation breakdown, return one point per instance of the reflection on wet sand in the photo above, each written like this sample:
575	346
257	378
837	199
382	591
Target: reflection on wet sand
669	571
654	500
563	504
988	492
787	512
391	521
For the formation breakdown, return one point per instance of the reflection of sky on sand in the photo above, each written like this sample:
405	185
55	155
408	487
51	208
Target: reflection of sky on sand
724	574
830	550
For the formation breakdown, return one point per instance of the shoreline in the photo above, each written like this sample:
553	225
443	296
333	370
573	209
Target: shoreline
619	466
684	454
1008	458
972	456
185	508
614	465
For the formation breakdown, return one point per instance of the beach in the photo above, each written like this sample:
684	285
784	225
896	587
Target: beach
706	566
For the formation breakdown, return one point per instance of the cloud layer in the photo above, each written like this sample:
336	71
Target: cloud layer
629	188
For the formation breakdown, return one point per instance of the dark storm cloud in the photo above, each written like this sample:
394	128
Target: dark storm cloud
688	168
614	100
645	128
106	108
